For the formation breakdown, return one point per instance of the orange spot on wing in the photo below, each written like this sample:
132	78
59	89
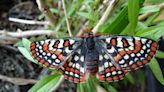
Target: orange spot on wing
121	76
139	63
154	44
57	52
37	58
77	71
113	41
101	78
53	66
76	79
107	70
115	78
117	58
65	76
151	53
72	70
113	68
66	43
153	48
45	46
70	78
144	61
33	51
123	52
42	61
137	46
129	52
46	64
67	68
34	55
149	58
134	66
61	57
109	79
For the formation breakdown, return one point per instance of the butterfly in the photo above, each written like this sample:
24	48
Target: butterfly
109	57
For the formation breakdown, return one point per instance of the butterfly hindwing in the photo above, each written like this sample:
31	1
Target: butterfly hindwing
108	70
74	69
52	52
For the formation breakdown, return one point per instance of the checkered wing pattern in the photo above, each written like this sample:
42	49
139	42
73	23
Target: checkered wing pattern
53	53
74	69
120	54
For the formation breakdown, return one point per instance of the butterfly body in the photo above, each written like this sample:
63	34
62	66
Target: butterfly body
109	57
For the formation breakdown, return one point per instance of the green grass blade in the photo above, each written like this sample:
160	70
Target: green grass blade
46	84
154	66
118	24
26	54
133	11
146	9
159	54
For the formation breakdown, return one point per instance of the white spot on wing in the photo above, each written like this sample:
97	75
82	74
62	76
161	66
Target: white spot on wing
71	73
111	50
82	58
114	73
51	44
49	60
67	50
76	75
108	74
57	61
106	56
41	42
72	41
82	69
106	64
100	57
53	56
76	58
108	40
126	56
60	45
122	62
119	42
77	66
143	40
131	62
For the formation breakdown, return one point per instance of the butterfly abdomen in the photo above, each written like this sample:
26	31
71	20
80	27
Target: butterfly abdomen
92	66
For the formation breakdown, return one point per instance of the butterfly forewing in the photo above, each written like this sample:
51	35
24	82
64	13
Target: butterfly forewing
52	52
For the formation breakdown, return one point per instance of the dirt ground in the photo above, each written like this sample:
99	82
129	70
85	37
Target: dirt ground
13	64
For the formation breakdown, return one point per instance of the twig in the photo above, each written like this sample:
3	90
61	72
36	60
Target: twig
45	10
18	81
145	15
66	18
104	16
26	33
32	22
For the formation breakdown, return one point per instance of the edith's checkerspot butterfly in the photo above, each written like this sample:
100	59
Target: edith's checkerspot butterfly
109	57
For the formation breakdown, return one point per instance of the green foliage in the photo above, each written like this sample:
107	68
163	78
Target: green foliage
46	84
124	22
156	70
